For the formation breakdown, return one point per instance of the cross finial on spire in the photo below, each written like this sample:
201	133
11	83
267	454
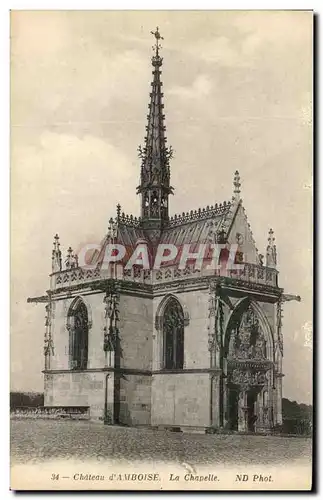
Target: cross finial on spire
158	37
271	238
237	185
56	243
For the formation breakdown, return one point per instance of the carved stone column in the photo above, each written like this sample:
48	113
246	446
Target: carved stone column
278	395
242	411
260	422
48	340
265	408
277	376
111	340
272	400
113	353
225	394
158	344
215	320
213	345
71	340
108	416
215	398
279	324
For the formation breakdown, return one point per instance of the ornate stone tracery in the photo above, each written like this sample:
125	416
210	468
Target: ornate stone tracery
248	352
216	316
48	340
247	379
212	330
248	342
279	325
249	366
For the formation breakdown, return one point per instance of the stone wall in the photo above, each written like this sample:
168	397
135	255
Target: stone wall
79	389
174	399
60	334
136	325
181	399
135	400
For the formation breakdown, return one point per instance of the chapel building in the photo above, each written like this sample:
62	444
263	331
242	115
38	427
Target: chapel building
190	348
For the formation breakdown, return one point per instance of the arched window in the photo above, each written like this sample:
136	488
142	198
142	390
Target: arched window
173	330
154	203
78	325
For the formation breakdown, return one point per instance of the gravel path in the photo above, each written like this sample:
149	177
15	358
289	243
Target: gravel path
36	440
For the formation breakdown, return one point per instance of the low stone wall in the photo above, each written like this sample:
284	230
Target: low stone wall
57	413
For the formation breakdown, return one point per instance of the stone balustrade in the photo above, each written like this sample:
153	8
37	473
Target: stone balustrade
250	273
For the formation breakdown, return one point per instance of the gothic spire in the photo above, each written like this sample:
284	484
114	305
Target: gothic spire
155	155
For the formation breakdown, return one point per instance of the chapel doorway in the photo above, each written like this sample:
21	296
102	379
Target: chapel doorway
233	409
251	405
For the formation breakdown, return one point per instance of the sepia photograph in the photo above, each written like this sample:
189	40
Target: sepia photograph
161	250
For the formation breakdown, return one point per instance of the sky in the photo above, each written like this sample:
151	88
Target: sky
238	95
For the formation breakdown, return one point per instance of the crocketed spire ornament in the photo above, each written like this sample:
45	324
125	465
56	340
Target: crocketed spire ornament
69	258
112	230
71	261
155	156
237	185
271	253
56	255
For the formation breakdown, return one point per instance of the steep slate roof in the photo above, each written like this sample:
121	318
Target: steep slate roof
197	226
203	226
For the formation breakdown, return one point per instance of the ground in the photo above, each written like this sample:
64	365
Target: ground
38	440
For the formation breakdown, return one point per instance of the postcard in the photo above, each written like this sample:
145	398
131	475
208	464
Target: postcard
161	250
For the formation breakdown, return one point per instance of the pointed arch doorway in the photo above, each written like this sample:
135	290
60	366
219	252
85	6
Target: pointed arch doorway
248	371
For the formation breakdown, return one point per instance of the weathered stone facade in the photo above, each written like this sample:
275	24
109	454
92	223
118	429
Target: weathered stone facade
193	347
